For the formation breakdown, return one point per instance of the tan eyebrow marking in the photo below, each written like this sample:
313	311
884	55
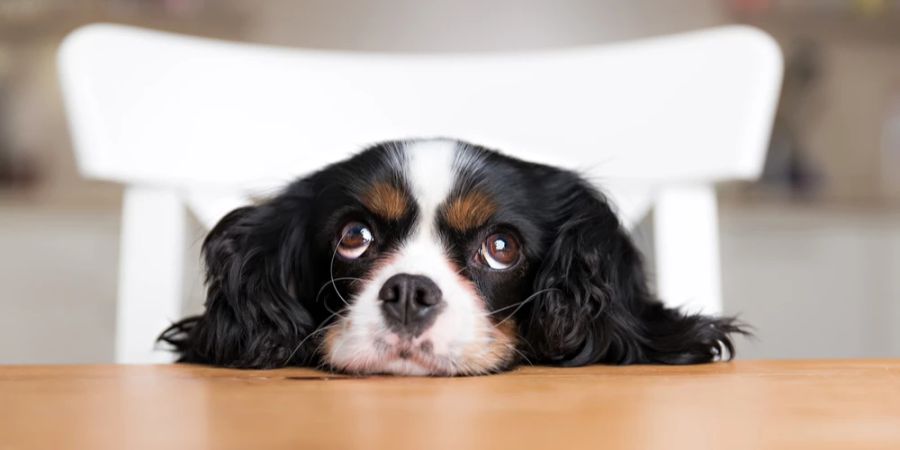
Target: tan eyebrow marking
386	200
469	211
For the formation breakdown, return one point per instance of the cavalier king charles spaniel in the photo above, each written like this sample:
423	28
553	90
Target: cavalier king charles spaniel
434	257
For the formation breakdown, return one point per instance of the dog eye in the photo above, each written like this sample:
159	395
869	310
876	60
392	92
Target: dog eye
355	239
499	251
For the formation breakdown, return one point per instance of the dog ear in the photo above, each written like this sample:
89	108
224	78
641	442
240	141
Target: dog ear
253	318
596	305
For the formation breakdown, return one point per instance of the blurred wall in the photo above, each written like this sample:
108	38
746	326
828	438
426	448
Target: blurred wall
470	25
856	92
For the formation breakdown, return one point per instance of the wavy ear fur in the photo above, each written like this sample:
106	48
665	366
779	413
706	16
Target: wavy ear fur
253	318
598	308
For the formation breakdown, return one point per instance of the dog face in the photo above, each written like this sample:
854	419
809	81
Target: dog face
434	257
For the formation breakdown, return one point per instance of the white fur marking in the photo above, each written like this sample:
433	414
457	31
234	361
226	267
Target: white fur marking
430	175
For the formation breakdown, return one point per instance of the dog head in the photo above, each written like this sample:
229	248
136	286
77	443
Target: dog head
434	257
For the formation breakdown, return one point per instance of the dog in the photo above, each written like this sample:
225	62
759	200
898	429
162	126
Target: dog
435	257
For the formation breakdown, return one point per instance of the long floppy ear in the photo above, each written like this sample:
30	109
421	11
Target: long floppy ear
597	306
253	316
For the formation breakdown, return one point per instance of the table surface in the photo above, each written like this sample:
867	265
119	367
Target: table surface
745	404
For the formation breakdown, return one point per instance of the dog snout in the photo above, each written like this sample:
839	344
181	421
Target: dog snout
410	303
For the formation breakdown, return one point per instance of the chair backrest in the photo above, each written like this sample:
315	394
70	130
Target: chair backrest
210	122
161	109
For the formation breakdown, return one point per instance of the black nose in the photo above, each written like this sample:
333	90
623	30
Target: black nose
410	303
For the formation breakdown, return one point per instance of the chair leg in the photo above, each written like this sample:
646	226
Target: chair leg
150	272
686	236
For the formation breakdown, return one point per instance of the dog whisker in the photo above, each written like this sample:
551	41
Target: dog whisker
517	305
325	326
331	270
332	281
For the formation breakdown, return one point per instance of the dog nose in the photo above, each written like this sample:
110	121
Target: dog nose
410	303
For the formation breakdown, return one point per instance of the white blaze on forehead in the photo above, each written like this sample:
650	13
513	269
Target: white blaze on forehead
430	176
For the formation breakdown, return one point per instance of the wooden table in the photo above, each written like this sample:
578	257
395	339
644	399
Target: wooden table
745	404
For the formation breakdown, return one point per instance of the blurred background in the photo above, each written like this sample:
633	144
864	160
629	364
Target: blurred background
810	253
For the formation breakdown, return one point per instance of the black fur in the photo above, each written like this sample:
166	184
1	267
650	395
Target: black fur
597	308
253	262
268	267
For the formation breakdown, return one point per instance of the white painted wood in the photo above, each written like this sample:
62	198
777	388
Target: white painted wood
686	239
210	206
631	202
151	270
160	107
212	123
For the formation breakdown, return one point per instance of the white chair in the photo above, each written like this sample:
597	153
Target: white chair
198	124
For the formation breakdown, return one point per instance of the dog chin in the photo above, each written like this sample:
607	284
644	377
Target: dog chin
402	356
405	359
391	354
